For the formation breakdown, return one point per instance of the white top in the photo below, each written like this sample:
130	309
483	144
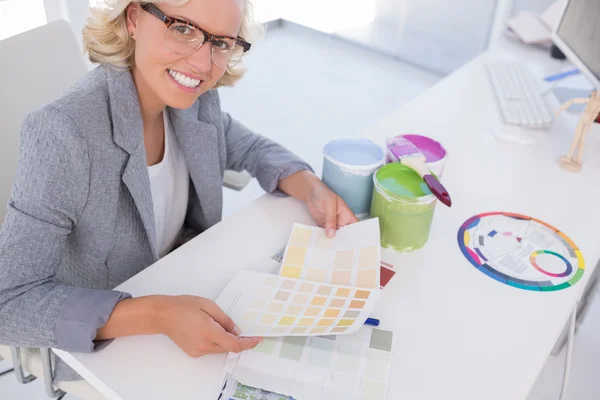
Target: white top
458	334
170	183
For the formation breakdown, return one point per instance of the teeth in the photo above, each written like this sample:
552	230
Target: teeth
184	80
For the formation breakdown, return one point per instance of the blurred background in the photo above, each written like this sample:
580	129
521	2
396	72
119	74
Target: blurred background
438	35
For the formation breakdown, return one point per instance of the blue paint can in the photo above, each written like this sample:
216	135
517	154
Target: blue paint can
348	168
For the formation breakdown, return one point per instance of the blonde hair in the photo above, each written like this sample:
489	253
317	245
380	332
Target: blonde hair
107	41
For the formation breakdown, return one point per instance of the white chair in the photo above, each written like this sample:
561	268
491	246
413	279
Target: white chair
32	73
236	180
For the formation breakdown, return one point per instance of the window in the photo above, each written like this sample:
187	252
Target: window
18	16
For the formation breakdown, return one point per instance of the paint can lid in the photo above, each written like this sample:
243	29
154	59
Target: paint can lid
354	153
400	181
431	149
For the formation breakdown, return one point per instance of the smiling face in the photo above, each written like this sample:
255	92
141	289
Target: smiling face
173	79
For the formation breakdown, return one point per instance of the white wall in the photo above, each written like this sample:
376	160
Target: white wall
77	14
54	9
504	10
267	10
440	35
328	15
74	11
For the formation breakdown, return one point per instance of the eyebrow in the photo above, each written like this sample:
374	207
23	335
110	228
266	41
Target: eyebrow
196	25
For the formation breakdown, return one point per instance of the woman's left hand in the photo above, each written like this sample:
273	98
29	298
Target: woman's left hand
326	207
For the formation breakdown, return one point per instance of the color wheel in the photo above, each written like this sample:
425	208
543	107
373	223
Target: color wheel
521	251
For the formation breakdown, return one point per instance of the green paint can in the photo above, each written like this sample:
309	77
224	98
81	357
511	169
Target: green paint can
404	205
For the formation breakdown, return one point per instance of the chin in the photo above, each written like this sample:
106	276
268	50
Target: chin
181	103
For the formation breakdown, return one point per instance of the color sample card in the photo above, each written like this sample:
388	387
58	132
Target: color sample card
351	258
347	367
270	305
387	272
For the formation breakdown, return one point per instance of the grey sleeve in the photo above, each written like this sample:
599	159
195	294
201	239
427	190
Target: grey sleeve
264	159
48	196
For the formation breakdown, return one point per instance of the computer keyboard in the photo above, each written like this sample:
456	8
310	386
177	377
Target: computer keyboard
519	98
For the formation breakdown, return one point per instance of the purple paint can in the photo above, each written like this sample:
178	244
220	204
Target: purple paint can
435	154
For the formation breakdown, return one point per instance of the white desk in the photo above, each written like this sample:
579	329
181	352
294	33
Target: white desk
458	333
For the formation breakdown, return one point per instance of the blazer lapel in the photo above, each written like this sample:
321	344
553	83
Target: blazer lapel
137	180
128	133
200	146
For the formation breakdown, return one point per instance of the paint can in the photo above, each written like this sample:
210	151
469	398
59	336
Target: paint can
435	154
348	168
405	207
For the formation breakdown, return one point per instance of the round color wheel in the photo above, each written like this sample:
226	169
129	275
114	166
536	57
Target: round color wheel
553	271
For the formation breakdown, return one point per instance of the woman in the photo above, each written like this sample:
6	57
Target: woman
112	172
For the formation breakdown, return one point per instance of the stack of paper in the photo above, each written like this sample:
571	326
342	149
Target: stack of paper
312	315
531	28
345	367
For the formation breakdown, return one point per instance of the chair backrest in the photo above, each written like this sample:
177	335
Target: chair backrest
36	67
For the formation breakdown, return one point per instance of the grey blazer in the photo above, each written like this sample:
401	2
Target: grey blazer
80	219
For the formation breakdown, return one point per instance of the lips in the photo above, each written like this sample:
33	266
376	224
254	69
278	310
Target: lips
184	80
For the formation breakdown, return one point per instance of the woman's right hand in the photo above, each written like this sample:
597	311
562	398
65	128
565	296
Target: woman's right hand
199	326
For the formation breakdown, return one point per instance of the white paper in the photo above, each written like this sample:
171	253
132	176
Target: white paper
529	28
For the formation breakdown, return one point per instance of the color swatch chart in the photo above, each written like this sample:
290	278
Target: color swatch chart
386	272
270	305
351	258
521	251
348	367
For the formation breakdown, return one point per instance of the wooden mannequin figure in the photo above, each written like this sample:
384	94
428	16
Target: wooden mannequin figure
572	162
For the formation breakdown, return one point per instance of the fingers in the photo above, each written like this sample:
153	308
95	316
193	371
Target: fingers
331	218
213	349
215	312
346	218
345	214
230	342
246	344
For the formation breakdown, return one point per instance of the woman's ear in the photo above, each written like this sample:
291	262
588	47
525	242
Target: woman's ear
132	17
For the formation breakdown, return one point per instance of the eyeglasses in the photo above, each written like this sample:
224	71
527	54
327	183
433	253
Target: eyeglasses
184	38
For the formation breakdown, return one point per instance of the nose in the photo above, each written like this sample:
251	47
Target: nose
201	60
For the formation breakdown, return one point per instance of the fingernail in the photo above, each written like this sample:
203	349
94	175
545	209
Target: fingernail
330	232
236	330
